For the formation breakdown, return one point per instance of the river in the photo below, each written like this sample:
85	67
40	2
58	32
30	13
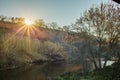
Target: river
35	72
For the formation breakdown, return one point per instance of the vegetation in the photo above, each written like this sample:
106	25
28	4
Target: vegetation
99	27
18	45
107	73
93	38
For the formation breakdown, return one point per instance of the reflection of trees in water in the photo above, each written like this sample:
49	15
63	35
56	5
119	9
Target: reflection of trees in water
35	72
29	73
54	69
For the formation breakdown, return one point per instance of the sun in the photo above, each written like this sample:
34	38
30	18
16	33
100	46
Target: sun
28	22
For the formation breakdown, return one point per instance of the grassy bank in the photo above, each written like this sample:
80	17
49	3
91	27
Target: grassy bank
108	73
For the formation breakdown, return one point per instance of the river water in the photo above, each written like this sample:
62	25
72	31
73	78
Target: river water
39	72
34	72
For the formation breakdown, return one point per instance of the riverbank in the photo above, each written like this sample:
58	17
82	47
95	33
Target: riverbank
108	73
9	66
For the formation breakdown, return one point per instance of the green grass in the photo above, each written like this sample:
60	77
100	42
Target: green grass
107	73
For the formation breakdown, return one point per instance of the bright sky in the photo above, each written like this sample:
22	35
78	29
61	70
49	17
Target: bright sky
64	12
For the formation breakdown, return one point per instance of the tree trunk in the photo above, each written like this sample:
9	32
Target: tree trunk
100	66
106	58
99	54
94	62
105	63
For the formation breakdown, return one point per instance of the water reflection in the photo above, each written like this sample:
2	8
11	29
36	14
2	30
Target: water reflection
35	72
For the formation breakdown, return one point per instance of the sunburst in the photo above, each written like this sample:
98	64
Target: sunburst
29	31
29	22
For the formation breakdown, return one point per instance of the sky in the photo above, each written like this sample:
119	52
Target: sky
63	12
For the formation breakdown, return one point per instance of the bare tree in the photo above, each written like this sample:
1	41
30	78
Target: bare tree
102	26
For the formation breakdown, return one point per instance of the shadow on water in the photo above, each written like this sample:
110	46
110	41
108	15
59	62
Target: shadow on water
34	72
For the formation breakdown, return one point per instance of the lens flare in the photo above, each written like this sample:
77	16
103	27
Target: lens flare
29	22
28	33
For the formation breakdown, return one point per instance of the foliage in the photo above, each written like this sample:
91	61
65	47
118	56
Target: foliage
107	73
16	48
101	26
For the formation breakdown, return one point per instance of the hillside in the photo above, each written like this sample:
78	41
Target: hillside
20	44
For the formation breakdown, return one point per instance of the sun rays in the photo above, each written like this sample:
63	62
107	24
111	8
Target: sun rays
29	22
28	32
